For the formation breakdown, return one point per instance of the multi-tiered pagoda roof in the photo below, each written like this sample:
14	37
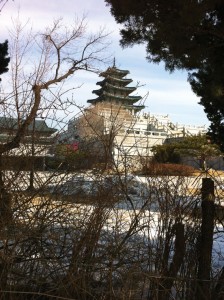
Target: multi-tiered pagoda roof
114	89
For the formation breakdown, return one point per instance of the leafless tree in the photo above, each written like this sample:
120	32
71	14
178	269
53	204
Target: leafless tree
2	4
40	65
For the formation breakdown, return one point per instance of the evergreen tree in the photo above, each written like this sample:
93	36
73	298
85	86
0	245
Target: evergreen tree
208	84
198	147
184	34
4	59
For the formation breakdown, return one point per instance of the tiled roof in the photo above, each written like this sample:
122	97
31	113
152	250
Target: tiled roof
38	125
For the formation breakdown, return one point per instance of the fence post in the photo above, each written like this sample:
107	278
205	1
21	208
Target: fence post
206	240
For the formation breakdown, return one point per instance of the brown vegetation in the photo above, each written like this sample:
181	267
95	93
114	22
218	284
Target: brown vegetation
168	169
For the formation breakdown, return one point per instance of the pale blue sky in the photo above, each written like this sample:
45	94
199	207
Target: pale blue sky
168	93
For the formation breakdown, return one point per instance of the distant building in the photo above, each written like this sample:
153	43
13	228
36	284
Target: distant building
122	130
35	143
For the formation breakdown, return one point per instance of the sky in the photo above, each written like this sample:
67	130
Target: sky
167	93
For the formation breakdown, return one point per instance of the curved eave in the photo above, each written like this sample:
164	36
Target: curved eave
109	88
136	107
118	97
93	101
105	96
133	99
115	80
123	89
118	72
97	92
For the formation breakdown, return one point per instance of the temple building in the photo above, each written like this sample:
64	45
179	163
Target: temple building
34	145
115	124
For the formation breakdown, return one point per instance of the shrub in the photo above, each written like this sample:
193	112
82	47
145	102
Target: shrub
167	169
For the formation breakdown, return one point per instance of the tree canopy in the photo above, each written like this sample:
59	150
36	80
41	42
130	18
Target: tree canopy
4	59
208	84
199	147
184	34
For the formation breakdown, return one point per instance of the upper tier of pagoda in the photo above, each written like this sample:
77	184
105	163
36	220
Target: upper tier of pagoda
114	88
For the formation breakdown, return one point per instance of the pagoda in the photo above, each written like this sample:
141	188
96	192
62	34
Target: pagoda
114	89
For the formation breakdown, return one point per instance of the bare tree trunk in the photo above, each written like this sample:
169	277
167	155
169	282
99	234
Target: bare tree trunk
5	202
179	250
206	240
219	287
5	221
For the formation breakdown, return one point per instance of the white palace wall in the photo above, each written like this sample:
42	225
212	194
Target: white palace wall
133	135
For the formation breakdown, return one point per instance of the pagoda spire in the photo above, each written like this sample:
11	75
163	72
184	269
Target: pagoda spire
114	65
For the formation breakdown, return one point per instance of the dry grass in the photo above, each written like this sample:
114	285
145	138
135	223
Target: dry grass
210	172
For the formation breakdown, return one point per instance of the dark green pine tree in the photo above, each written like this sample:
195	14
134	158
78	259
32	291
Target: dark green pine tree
208	84
183	34
4	59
